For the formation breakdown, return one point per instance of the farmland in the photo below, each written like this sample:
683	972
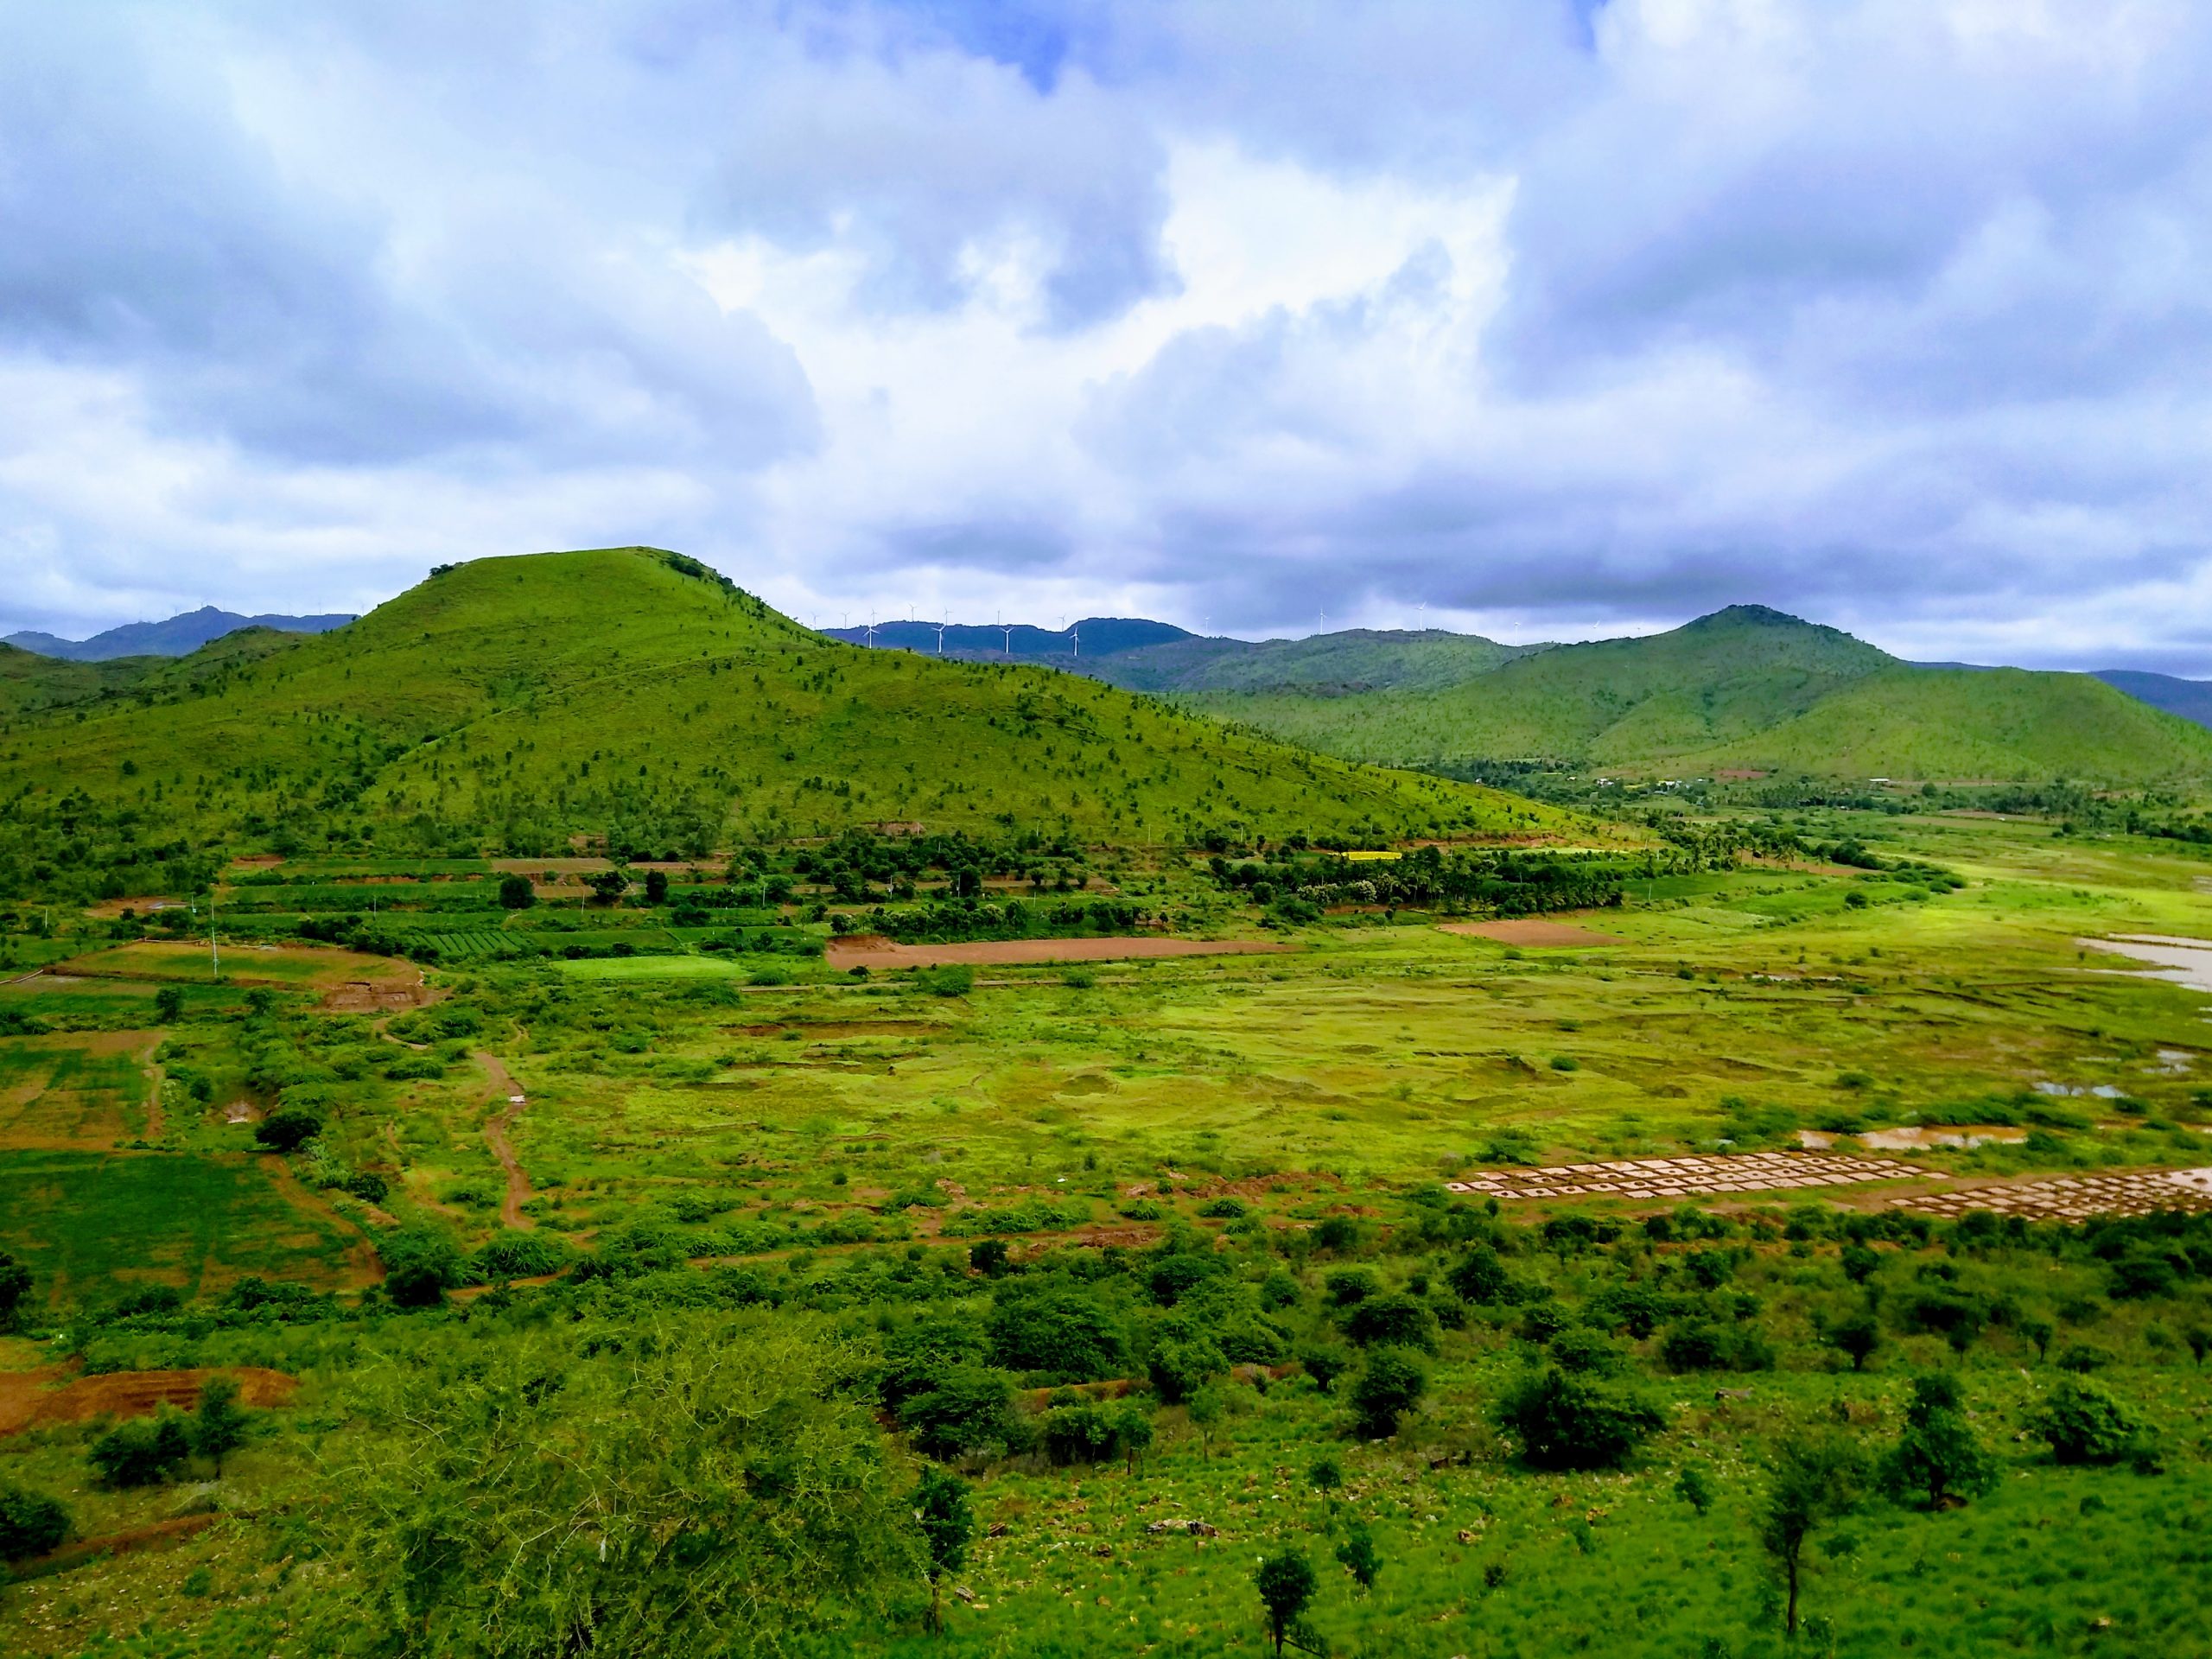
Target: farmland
752	1115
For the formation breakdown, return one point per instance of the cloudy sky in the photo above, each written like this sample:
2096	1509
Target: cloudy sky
1554	317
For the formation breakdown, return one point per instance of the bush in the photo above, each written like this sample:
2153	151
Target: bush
1324	1364
1222	1209
1391	1385
1479	1277
369	1186
1567	1421
420	1266
1185	1357
2084	1425
1395	1321
287	1130
513	1254
1060	1329
965	1409
913	1356
517	893
31	1523
142	1454
950	979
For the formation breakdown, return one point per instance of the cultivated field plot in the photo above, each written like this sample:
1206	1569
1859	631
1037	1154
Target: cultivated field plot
2078	1198
871	952
292	967
1531	931
105	1222
41	1398
76	1091
1685	1178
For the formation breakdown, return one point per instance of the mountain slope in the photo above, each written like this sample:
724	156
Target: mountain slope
1753	689
2190	699
177	637
1145	656
631	693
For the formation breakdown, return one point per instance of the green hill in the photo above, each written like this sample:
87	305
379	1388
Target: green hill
1326	665
631	693
1749	689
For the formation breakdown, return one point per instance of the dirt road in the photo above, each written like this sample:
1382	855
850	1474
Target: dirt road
506	1089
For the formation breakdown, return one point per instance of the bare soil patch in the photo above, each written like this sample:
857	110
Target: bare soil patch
1685	1179
28	1400
1528	930
506	1091
871	950
2075	1197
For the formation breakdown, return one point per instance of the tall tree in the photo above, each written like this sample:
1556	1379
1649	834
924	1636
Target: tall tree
1817	1477
948	1528
220	1424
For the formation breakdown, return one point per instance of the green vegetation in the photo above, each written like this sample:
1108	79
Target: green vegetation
1747	690
553	1246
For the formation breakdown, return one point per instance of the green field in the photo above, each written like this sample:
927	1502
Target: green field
91	1226
792	1238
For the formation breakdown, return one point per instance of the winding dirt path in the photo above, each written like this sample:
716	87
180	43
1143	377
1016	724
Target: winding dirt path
504	1088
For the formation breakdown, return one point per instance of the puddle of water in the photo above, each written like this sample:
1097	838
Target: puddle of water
2182	961
1916	1137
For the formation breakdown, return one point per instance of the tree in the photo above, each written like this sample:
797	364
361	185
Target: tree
1938	1453
1286	1584
656	886
287	1129
607	885
1205	1409
1359	1555
718	1486
516	892
1695	1487
1859	1263
220	1424
1134	1429
1857	1335
948	1528
14	1290
1185	1357
1389	1386
168	1004
31	1523
1569	1421
987	1258
1816	1478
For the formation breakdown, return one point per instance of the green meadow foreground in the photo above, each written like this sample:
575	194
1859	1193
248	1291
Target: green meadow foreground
653	1281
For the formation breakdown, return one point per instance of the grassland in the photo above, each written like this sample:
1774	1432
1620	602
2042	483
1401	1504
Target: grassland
722	1131
625	695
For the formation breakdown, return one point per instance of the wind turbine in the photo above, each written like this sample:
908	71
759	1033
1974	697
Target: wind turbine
1421	616
1075	634
941	628
871	631
1004	627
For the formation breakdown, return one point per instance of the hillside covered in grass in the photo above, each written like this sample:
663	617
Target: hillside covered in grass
634	696
1748	689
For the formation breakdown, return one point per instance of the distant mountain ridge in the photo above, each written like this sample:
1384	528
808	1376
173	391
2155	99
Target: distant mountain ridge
179	636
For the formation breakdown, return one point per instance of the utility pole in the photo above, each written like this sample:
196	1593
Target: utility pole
214	949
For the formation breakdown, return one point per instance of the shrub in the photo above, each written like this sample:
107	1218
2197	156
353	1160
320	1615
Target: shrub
1479	1277
1324	1364
1395	1321
517	893
1185	1357
1223	1209
287	1130
369	1186
420	1266
142	1454
31	1523
1174	1276
1389	1385
513	1254
965	1409
913	1356
1348	1286
2084	1425
950	979
1056	1328
1569	1422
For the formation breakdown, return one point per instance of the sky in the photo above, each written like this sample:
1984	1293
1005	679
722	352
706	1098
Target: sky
1545	319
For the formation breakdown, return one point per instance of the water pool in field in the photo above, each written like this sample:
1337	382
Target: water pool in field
2185	962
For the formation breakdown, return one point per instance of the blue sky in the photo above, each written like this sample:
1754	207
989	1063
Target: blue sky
1556	318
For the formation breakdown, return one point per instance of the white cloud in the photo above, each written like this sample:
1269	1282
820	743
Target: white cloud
1562	319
